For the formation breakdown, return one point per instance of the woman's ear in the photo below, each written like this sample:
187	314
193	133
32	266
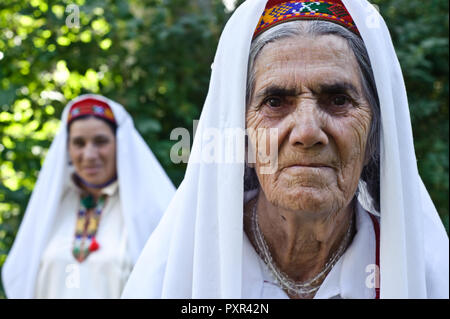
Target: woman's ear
367	155
366	161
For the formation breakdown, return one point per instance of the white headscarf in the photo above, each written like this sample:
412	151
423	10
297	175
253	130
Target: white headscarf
196	251
144	189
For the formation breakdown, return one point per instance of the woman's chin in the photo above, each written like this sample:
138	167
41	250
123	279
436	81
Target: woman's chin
93	179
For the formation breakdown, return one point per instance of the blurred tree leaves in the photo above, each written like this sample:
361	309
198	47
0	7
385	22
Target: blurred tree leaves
154	57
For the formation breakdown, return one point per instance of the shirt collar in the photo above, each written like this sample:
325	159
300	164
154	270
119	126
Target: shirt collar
350	277
111	189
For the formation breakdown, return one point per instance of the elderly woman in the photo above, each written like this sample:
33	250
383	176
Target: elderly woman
99	195
340	210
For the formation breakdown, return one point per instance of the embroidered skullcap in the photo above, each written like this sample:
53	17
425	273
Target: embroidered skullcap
279	11
91	106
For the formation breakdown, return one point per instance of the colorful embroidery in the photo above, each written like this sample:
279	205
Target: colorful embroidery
91	106
332	10
86	227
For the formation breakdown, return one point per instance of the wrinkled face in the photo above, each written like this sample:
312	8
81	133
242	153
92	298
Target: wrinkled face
309	89
92	150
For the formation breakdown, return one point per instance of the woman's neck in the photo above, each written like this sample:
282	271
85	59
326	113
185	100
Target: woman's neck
301	243
94	190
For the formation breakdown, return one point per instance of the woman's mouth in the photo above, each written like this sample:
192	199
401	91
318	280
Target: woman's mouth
91	170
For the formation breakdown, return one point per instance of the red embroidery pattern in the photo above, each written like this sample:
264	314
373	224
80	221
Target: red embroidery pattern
277	11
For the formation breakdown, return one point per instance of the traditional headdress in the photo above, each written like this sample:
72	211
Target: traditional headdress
90	106
279	11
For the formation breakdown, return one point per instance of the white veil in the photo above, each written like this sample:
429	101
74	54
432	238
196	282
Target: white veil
196	251
144	189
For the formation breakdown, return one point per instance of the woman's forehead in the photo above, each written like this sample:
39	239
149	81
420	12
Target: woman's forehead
306	60
89	126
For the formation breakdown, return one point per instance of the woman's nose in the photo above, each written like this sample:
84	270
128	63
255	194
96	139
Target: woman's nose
307	127
90	151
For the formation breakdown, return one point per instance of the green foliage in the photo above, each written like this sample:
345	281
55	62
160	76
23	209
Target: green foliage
154	57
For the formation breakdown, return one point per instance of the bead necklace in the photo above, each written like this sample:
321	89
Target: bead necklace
300	289
86	227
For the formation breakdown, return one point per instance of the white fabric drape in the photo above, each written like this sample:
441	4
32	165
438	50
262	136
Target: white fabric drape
410	225
144	189
196	251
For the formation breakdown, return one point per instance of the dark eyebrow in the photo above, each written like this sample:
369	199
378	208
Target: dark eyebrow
276	90
96	138
101	136
338	87
332	88
76	138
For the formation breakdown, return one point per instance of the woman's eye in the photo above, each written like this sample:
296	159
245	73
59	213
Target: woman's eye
273	102
78	143
340	100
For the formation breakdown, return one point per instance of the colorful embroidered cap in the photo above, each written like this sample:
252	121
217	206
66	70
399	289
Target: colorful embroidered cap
279	11
91	106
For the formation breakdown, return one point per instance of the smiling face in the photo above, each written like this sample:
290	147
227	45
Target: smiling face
92	150
309	88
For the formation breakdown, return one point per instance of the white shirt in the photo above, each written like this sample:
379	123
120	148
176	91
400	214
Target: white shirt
352	277
104	272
